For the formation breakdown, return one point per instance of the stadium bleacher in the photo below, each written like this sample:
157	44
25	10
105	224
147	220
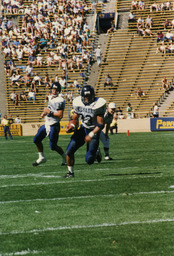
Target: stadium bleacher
130	59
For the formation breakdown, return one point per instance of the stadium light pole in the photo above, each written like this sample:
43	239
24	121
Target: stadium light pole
66	77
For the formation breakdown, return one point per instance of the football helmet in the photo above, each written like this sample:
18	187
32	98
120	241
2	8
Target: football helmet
57	86
87	94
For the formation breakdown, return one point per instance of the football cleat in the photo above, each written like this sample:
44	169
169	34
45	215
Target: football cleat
69	175
108	158
98	155
39	161
63	164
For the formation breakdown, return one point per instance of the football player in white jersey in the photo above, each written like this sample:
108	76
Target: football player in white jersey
90	110
108	116
52	114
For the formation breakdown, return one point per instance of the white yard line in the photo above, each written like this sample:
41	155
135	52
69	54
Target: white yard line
20	253
87	226
75	181
86	197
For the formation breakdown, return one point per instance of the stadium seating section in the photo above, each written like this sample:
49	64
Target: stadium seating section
130	60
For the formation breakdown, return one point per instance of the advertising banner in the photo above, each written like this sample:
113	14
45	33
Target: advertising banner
15	129
162	124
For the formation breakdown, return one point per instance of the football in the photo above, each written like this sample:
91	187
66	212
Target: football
72	125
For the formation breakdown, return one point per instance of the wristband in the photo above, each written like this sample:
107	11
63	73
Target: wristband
51	114
91	134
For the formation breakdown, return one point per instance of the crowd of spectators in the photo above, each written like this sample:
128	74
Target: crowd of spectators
52	33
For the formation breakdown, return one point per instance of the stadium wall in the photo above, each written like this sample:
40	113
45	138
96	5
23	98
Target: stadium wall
133	125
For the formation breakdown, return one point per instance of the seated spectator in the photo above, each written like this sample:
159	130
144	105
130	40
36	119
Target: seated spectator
166	23
12	96
172	23
162	48
119	113
6	51
31	96
47	81
36	79
108	81
17	100
165	83
19	53
140	22
17	120
129	111
13	68
69	96
139	93
148	22
57	59
27	81
134	5
76	83
141	5
160	37
62	82
15	80
3	44
165	6
112	28
154	6
23	96
171	48
43	43
29	69
39	60
7	68
168	36
49	60
79	62
16	42
31	59
140	31
131	17
147	32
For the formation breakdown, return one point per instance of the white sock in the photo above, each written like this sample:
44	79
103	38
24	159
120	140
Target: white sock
41	155
70	169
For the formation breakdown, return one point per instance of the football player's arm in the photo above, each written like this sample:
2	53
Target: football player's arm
48	112
107	130
99	126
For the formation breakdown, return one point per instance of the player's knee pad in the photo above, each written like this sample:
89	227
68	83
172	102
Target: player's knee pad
90	158
36	140
71	148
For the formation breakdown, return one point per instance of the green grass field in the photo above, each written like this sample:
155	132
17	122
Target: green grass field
123	207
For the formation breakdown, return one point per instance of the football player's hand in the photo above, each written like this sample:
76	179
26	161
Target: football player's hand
72	126
87	138
45	112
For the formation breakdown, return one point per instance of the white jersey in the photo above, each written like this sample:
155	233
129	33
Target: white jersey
89	113
55	104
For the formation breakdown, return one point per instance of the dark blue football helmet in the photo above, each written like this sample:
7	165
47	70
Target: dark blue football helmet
87	94
57	86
